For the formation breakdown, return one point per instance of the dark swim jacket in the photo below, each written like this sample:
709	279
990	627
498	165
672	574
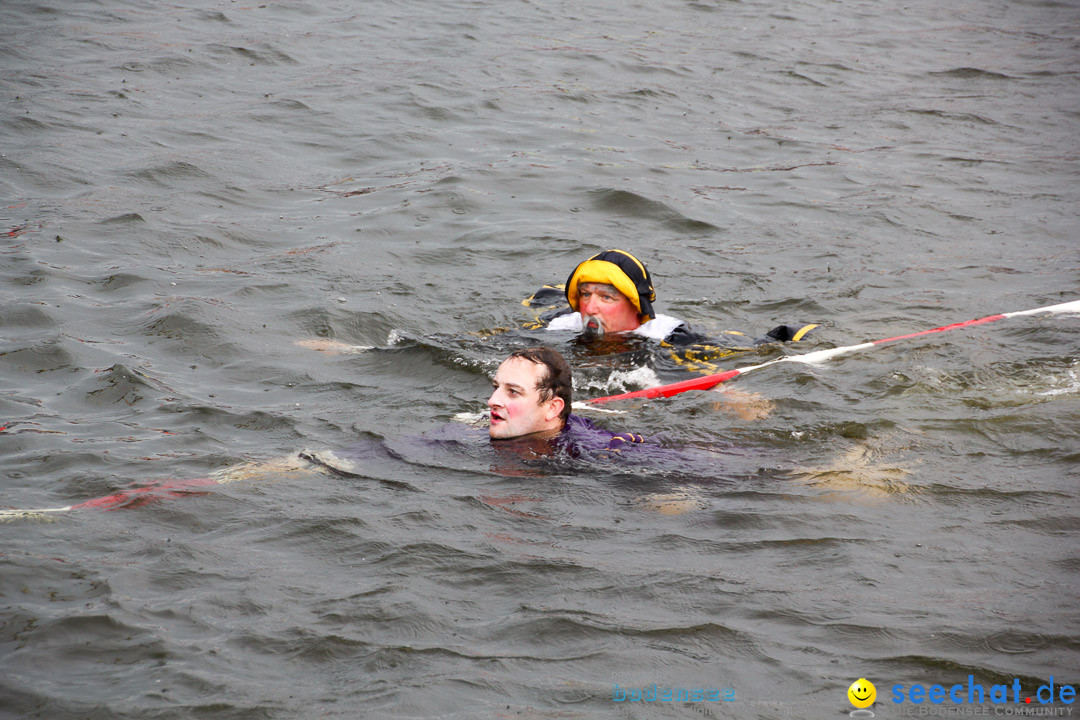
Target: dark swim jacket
689	348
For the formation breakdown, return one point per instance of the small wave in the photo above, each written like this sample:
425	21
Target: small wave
168	173
42	355
121	280
805	78
23	315
631	204
39	515
475	419
125	219
333	347
169	63
1016	642
620	381
971	73
1069	384
643	376
961	117
119	383
1001	385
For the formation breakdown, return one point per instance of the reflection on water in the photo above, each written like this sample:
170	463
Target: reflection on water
872	473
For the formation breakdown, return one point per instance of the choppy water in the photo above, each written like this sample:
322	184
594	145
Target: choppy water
187	189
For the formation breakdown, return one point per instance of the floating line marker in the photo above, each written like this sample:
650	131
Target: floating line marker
820	356
134	497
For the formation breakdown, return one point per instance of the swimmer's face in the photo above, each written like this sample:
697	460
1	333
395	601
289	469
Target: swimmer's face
515	404
606	310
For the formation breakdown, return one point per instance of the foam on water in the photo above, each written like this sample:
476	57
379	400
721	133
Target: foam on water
1067	383
617	381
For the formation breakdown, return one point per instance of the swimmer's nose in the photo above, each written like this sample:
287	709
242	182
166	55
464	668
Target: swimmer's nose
495	406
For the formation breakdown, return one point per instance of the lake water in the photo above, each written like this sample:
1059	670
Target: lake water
188	189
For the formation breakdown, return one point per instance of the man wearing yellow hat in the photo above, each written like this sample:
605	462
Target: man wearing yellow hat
612	292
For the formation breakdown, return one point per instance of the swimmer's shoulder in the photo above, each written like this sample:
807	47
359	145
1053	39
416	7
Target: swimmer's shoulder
548	305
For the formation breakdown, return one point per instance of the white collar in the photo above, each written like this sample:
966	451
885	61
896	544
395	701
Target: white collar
656	329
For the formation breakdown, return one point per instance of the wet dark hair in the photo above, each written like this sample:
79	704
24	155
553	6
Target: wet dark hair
558	381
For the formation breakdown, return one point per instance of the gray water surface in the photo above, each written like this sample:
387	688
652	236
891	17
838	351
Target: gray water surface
187	189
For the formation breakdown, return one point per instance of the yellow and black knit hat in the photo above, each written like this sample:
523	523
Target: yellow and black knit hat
618	268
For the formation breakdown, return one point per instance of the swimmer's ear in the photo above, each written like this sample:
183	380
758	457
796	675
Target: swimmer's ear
554	407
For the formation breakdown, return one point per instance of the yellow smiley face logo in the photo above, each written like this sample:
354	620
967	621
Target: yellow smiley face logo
862	693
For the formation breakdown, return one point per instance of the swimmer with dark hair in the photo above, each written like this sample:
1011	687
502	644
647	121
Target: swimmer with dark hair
531	399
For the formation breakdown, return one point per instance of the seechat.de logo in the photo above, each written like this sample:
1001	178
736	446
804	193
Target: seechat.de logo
862	694
975	694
